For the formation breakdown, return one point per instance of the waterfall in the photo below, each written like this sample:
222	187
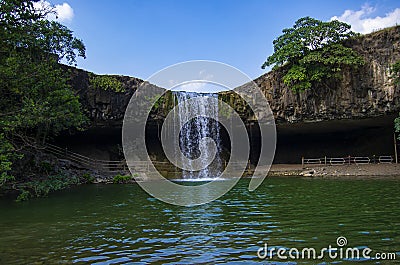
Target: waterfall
198	128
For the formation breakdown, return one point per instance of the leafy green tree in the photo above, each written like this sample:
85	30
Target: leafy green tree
313	53
36	100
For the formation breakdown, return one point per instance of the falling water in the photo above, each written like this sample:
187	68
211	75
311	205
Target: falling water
198	128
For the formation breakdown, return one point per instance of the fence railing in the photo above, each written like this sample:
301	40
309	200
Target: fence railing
86	162
359	160
121	166
150	166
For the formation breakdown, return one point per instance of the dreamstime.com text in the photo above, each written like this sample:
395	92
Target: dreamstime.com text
331	252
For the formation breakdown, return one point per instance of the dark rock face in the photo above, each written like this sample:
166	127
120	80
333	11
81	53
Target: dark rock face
362	93
104	107
365	92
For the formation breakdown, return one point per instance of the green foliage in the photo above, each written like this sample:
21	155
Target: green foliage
297	78
395	72
106	82
42	187
88	178
7	155
122	178
46	166
158	100
397	126
23	196
27	30
5	160
313	52
36	100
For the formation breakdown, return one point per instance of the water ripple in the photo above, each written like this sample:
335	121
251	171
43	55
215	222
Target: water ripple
120	224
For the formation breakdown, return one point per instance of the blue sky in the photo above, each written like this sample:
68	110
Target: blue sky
140	37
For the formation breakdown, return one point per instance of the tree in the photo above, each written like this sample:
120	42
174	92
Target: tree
36	100
313	53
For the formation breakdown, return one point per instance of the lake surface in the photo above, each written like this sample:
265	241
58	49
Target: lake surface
121	224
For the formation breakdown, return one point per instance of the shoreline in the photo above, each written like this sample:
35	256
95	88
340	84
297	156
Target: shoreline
352	171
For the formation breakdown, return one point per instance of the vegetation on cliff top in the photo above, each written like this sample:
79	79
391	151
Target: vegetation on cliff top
313	52
106	82
36	101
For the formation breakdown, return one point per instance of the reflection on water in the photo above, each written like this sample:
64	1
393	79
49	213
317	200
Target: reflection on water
117	224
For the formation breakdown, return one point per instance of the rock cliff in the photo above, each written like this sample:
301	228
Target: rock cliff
362	93
366	92
103	107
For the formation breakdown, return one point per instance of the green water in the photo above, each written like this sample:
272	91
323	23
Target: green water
121	224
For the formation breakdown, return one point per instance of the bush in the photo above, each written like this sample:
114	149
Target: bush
122	179
23	196
87	178
46	166
395	73
42	187
106	82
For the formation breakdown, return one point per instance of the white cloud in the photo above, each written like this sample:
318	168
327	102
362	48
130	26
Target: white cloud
361	20
203	75
64	12
194	86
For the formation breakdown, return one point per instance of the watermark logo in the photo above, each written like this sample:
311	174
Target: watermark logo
203	76
331	252
341	241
